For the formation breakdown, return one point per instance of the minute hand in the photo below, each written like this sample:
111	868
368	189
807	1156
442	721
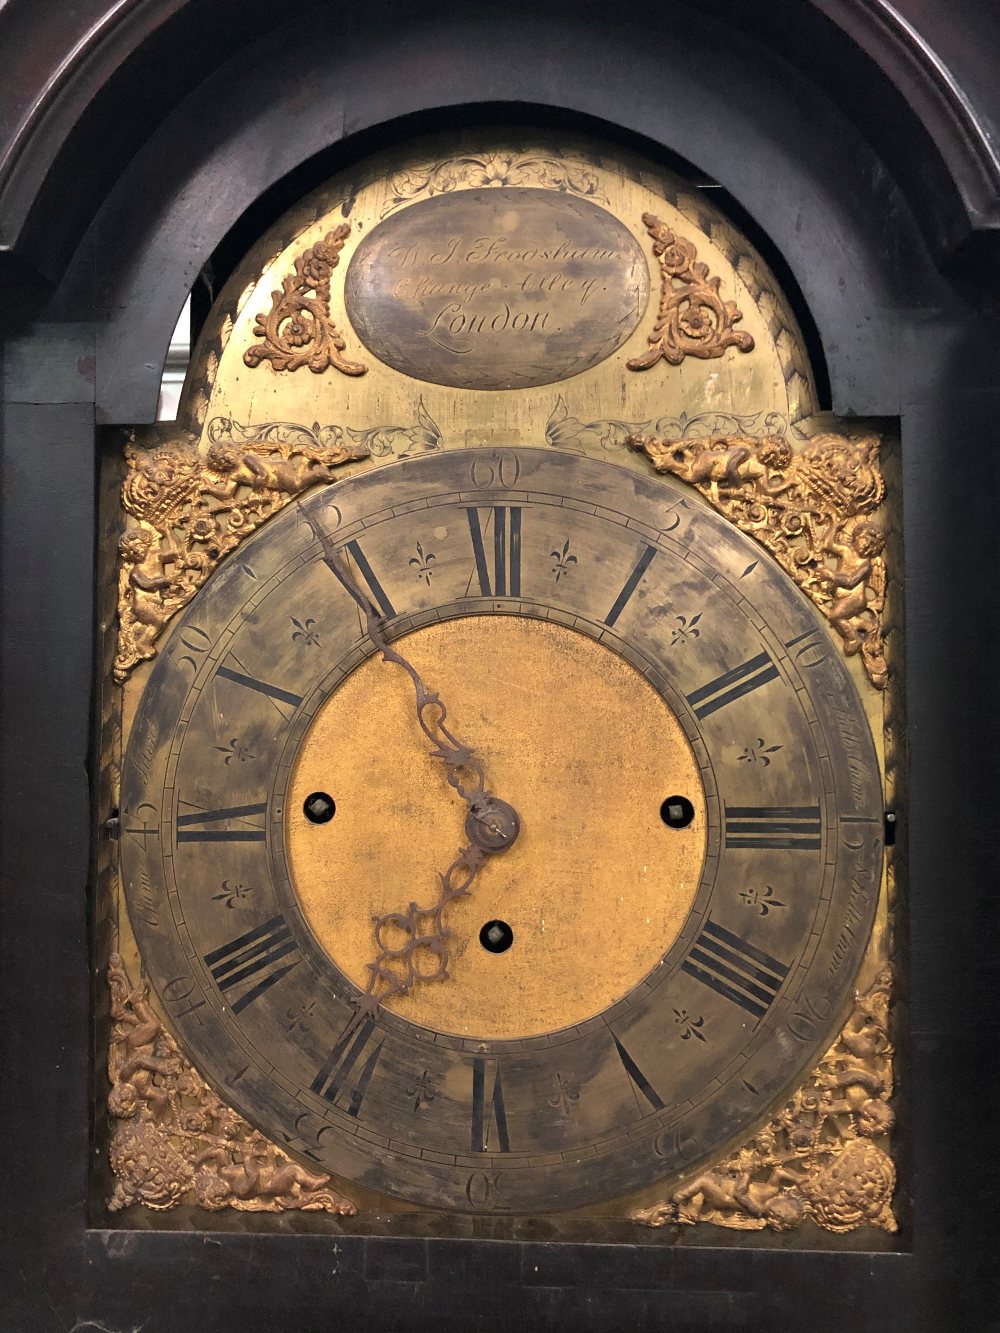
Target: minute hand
463	766
491	824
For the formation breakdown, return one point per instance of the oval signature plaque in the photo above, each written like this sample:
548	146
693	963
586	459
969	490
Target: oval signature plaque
497	288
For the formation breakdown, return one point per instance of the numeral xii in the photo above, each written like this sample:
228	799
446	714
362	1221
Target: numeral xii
498	563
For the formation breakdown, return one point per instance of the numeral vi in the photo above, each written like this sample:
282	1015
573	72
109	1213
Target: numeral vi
488	1108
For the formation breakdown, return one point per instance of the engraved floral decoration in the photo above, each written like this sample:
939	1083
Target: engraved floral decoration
187	507
175	1142
297	331
814	510
821	1157
490	170
563	431
692	318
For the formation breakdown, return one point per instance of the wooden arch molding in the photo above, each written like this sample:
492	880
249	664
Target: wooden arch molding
110	169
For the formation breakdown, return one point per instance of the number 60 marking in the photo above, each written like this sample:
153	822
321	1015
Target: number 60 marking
495	470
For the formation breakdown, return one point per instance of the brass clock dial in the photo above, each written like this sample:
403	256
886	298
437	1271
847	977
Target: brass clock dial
674	933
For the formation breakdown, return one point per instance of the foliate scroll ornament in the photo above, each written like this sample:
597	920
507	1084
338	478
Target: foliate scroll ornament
175	1142
822	1157
814	510
563	431
188	507
692	319
298	331
492	169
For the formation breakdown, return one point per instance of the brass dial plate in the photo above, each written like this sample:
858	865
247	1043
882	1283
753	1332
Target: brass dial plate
761	971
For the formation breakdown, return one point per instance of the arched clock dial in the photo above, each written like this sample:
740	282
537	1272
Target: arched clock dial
674	935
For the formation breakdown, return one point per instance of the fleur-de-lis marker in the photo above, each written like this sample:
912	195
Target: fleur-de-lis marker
564	561
422	1092
762	900
234	750
685	629
565	1095
304	632
422	562
232	893
691	1027
758	753
299	1018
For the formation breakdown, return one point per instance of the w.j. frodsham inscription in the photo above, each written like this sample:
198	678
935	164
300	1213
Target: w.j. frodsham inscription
497	288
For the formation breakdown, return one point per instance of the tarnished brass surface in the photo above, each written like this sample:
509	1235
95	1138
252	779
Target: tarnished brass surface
693	319
188	507
440	174
814	510
174	1141
587	926
792	808
695	403
497	289
824	1155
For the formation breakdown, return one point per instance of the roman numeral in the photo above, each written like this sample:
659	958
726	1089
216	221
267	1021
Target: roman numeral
732	684
735	969
261	686
255	954
485	1109
335	1072
631	583
774	827
640	1083
499	569
378	593
187	832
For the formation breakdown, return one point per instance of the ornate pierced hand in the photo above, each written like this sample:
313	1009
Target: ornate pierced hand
491	825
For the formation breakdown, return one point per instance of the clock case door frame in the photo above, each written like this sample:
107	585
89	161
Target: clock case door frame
866	246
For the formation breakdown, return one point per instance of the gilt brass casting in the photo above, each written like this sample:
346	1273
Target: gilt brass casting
813	510
298	331
822	1157
187	510
175	1142
692	319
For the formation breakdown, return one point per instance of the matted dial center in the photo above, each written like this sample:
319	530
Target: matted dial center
579	750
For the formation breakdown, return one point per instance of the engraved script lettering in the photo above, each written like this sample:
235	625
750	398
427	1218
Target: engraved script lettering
497	289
